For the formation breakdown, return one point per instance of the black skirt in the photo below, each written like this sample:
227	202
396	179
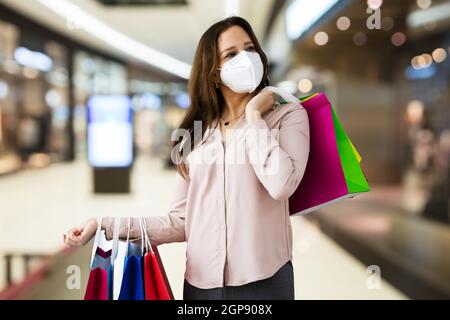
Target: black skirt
278	287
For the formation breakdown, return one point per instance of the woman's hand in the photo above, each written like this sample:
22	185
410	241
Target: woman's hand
77	237
259	105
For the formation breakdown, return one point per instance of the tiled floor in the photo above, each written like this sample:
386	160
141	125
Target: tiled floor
38	206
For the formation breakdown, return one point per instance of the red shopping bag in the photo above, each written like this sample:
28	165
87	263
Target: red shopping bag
162	283
149	278
157	286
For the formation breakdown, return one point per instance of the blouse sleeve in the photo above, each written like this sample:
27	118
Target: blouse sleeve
160	229
280	165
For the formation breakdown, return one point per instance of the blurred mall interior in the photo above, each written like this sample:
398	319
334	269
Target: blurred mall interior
384	65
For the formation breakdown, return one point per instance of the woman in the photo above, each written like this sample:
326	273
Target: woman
234	215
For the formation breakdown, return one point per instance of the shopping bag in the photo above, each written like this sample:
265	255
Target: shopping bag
151	292
100	284
132	287
97	288
119	266
162	283
333	172
157	286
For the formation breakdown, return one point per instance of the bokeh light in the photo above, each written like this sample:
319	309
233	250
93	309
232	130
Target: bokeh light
423	4
387	23
360	38
415	62
305	85
374	4
30	73
427	60
398	39
343	23
321	38
439	55
421	61
414	111
4	89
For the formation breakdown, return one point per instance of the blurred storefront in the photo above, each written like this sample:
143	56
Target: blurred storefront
159	104
36	72
34	97
45	82
93	75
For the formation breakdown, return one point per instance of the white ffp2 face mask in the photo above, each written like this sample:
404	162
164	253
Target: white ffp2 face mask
243	73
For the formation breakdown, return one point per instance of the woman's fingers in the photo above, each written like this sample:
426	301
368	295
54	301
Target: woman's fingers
73	237
81	235
69	243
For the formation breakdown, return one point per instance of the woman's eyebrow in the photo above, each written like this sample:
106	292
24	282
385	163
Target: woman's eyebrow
233	47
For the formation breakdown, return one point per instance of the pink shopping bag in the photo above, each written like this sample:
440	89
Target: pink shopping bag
333	172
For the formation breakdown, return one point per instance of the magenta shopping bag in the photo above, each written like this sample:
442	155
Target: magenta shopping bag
333	172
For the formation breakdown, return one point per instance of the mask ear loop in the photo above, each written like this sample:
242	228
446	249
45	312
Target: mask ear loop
217	84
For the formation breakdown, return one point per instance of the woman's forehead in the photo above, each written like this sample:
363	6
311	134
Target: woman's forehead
233	36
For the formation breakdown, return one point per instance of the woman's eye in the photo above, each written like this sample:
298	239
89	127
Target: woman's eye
232	54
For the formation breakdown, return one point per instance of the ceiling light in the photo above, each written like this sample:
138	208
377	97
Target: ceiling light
117	39
302	14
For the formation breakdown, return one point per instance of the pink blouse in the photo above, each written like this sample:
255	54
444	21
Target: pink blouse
233	212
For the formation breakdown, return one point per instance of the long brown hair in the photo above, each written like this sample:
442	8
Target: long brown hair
206	100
